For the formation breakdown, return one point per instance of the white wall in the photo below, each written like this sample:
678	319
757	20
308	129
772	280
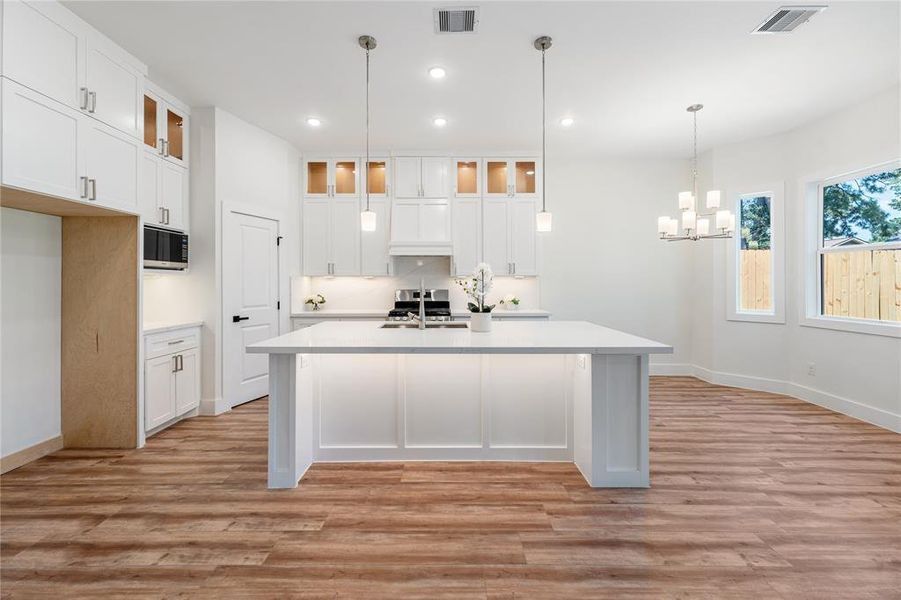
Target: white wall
604	263
859	374
233	163
30	324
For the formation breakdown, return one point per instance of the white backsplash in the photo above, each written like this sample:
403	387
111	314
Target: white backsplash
378	292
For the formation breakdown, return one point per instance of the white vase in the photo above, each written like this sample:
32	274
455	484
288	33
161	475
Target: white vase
480	322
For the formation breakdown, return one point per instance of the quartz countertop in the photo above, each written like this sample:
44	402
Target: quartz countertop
369	313
506	337
160	327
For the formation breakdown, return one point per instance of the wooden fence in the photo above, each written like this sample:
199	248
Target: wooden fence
864	284
756	278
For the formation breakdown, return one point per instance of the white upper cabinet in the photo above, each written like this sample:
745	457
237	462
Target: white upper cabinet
115	89
42	48
420	177
523	238
52	149
508	178
163	192
374	258
434	178
496	236
41	144
332	178
510	242
331	237
46	48
467	236
112	160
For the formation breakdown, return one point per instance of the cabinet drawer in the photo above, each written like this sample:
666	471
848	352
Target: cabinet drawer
170	342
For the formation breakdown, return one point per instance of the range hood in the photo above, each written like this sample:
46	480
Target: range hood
420	227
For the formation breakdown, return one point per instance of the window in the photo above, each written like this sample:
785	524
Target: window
756	263
859	247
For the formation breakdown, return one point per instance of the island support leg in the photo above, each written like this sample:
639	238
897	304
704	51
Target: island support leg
290	422
610	414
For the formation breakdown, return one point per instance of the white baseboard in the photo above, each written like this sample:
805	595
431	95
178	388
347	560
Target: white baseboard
671	369
210	407
845	406
26	455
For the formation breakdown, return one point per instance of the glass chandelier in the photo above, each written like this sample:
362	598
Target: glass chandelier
696	225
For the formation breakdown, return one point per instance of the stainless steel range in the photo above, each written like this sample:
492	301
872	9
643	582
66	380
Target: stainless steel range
436	302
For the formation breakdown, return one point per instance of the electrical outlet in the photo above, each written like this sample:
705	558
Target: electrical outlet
811	369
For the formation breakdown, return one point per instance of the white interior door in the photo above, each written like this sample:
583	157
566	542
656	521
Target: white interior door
250	277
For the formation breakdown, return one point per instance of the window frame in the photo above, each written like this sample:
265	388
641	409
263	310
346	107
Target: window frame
812	315
776	193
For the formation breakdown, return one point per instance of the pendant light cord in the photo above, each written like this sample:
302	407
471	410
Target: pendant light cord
694	161
543	147
366	166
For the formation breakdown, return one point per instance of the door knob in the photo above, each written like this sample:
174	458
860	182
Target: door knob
238	318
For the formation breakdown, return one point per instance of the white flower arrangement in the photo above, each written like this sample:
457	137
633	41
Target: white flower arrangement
476	288
315	300
510	302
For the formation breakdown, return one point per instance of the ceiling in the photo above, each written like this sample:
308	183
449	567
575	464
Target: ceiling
625	71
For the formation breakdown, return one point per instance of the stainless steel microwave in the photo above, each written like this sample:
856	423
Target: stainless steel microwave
164	249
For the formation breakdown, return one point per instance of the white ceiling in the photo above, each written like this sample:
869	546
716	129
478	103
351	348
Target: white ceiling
624	70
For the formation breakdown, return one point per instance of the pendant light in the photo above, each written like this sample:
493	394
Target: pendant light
368	216
696	224
543	221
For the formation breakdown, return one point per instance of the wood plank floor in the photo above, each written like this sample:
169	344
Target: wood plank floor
754	496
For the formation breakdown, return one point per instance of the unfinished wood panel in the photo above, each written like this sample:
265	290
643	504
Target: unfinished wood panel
345	177
47	205
467	177
100	265
150	116
317	178
375	177
497	177
753	496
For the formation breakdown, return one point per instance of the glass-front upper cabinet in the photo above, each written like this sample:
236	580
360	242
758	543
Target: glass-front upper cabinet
377	183
165	128
466	177
331	178
511	177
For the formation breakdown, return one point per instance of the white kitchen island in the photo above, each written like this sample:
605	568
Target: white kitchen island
527	391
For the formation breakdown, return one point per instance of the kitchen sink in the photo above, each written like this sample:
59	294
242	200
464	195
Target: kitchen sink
431	325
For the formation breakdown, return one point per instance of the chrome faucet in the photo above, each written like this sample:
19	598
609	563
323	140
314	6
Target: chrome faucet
421	317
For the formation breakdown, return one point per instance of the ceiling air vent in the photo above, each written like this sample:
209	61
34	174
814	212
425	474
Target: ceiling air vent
788	18
456	20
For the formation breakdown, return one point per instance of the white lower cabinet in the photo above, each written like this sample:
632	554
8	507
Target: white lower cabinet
163	192
171	376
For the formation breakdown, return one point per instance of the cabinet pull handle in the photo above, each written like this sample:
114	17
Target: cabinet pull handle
387	268
166	148
175	364
84	98
93	185
84	187
162	216
162	146
93	97
167	215
173	342
181	362
514	268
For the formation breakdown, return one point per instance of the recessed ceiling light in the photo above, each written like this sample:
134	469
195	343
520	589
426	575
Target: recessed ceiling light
313	122
439	121
567	121
437	72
